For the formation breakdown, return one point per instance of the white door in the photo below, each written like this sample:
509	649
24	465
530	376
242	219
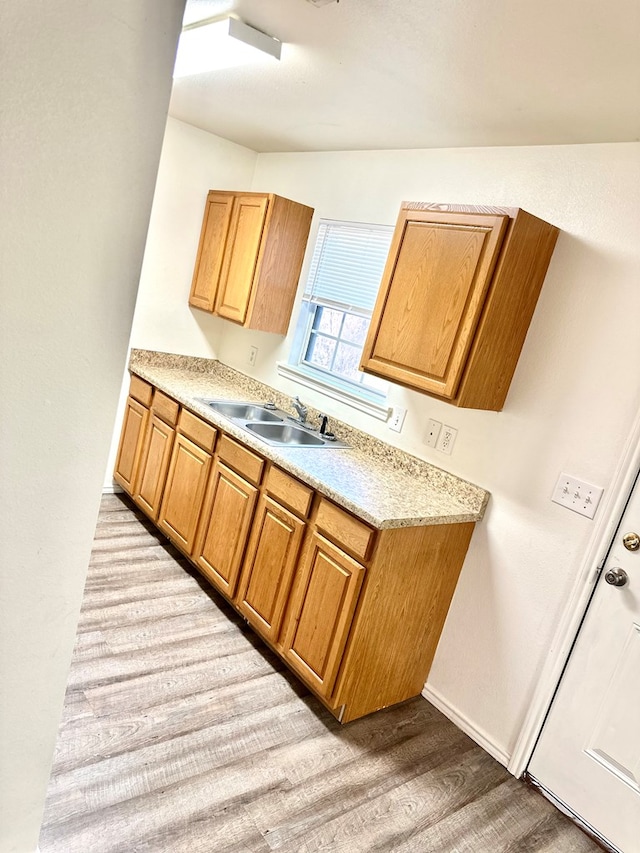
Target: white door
588	755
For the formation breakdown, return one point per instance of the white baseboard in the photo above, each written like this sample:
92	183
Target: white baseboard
465	724
113	489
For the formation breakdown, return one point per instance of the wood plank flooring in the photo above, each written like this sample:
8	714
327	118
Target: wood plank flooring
182	732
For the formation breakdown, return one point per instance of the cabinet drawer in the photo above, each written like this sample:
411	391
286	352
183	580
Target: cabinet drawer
240	459
140	390
197	430
165	408
289	492
353	535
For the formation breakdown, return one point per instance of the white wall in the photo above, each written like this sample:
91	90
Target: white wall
192	162
570	407
84	88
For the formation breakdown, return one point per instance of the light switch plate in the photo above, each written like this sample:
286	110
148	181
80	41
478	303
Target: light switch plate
577	495
396	419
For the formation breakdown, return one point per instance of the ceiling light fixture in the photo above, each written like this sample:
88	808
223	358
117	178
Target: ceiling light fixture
211	45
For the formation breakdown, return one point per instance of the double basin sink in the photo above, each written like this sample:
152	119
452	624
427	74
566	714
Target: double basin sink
270	424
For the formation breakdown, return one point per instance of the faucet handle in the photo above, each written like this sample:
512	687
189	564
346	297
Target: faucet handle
300	408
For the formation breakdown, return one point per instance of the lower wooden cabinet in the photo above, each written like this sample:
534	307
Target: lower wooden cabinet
154	463
184	491
322	611
131	442
145	444
355	612
224	527
269	566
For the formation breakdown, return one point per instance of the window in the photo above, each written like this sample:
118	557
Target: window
346	269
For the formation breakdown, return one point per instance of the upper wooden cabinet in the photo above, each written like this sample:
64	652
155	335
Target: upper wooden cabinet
213	240
457	296
249	258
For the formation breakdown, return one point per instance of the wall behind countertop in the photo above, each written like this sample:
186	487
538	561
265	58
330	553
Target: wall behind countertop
570	407
571	403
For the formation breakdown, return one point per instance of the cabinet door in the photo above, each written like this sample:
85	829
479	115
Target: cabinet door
269	566
154	463
224	529
325	599
186	483
213	241
131	441
431	297
241	257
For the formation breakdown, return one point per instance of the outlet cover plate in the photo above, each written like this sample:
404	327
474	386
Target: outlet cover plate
433	432
447	439
577	495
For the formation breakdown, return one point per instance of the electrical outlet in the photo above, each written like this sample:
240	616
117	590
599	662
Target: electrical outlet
253	355
447	439
396	420
433	432
577	495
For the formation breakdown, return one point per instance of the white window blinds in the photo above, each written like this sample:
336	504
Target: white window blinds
347	264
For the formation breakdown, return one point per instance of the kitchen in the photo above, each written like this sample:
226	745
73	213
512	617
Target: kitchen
575	383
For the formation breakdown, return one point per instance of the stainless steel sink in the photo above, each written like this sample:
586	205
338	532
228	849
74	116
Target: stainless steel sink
243	411
271	425
286	434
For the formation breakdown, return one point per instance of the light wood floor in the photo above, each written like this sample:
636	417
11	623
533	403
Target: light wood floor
182	733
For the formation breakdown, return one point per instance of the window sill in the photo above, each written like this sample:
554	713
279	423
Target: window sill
375	410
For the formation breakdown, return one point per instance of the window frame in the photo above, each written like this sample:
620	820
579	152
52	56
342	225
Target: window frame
357	393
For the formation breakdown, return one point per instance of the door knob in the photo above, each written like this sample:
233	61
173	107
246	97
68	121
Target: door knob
616	577
631	541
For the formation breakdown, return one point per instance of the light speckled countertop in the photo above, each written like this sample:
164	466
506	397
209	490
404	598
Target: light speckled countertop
379	483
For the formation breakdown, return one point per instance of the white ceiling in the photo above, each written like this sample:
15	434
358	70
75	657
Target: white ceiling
368	74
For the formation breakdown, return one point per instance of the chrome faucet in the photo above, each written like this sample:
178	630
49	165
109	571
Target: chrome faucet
301	409
324	432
